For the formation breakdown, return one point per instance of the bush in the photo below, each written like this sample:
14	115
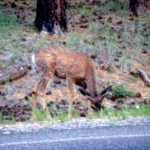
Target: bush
7	20
121	91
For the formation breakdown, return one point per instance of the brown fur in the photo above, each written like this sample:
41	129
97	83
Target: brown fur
75	67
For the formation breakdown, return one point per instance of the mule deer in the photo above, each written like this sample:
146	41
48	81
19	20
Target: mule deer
76	67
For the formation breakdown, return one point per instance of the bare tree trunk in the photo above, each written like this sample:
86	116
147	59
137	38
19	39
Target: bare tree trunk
134	4
50	14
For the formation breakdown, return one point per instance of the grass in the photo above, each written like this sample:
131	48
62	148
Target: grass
63	116
86	11
1	117
13	119
127	111
115	5
40	115
75	40
82	42
6	20
120	90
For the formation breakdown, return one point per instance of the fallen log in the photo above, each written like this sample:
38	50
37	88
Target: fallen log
13	72
144	77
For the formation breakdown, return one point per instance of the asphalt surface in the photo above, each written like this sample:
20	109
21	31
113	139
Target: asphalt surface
87	138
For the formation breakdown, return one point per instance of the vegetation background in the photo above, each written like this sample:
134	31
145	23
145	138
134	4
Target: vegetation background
118	43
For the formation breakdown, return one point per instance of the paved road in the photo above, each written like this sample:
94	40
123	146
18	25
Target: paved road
97	138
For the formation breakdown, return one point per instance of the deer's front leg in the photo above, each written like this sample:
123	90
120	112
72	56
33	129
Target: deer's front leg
70	85
33	97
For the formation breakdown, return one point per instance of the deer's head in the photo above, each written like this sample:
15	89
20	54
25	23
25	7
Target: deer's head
95	98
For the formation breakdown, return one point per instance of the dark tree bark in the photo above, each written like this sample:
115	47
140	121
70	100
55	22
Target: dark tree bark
51	13
134	4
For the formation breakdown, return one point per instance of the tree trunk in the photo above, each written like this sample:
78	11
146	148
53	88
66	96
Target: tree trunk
51	14
134	4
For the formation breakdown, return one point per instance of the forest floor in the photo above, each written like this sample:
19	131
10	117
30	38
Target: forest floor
119	45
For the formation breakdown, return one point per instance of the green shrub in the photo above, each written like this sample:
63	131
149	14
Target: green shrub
120	90
6	20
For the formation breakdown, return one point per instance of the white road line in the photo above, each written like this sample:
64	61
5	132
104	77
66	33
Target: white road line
74	139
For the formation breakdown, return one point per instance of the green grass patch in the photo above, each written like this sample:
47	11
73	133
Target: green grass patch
39	114
6	20
74	40
13	119
1	117
120	90
7	17
86	11
82	42
63	115
125	112
75	113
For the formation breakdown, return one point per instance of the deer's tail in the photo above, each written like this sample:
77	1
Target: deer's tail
33	65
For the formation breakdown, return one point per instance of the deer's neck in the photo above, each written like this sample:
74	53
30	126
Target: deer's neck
91	82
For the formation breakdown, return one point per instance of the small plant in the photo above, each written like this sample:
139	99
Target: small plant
121	91
75	40
86	11
61	116
1	117
39	114
75	113
94	26
13	119
93	115
6	20
110	70
126	63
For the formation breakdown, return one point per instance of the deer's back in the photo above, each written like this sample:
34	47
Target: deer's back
66	62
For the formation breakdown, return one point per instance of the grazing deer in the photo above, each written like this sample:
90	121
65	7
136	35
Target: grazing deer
76	67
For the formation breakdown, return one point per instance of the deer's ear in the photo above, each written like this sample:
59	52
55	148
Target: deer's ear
106	95
104	91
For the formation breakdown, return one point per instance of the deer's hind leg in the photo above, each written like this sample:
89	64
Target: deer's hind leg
70	85
41	92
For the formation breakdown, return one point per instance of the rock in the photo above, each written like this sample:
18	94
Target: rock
13	72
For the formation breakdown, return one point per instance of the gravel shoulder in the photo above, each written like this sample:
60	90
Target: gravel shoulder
29	127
